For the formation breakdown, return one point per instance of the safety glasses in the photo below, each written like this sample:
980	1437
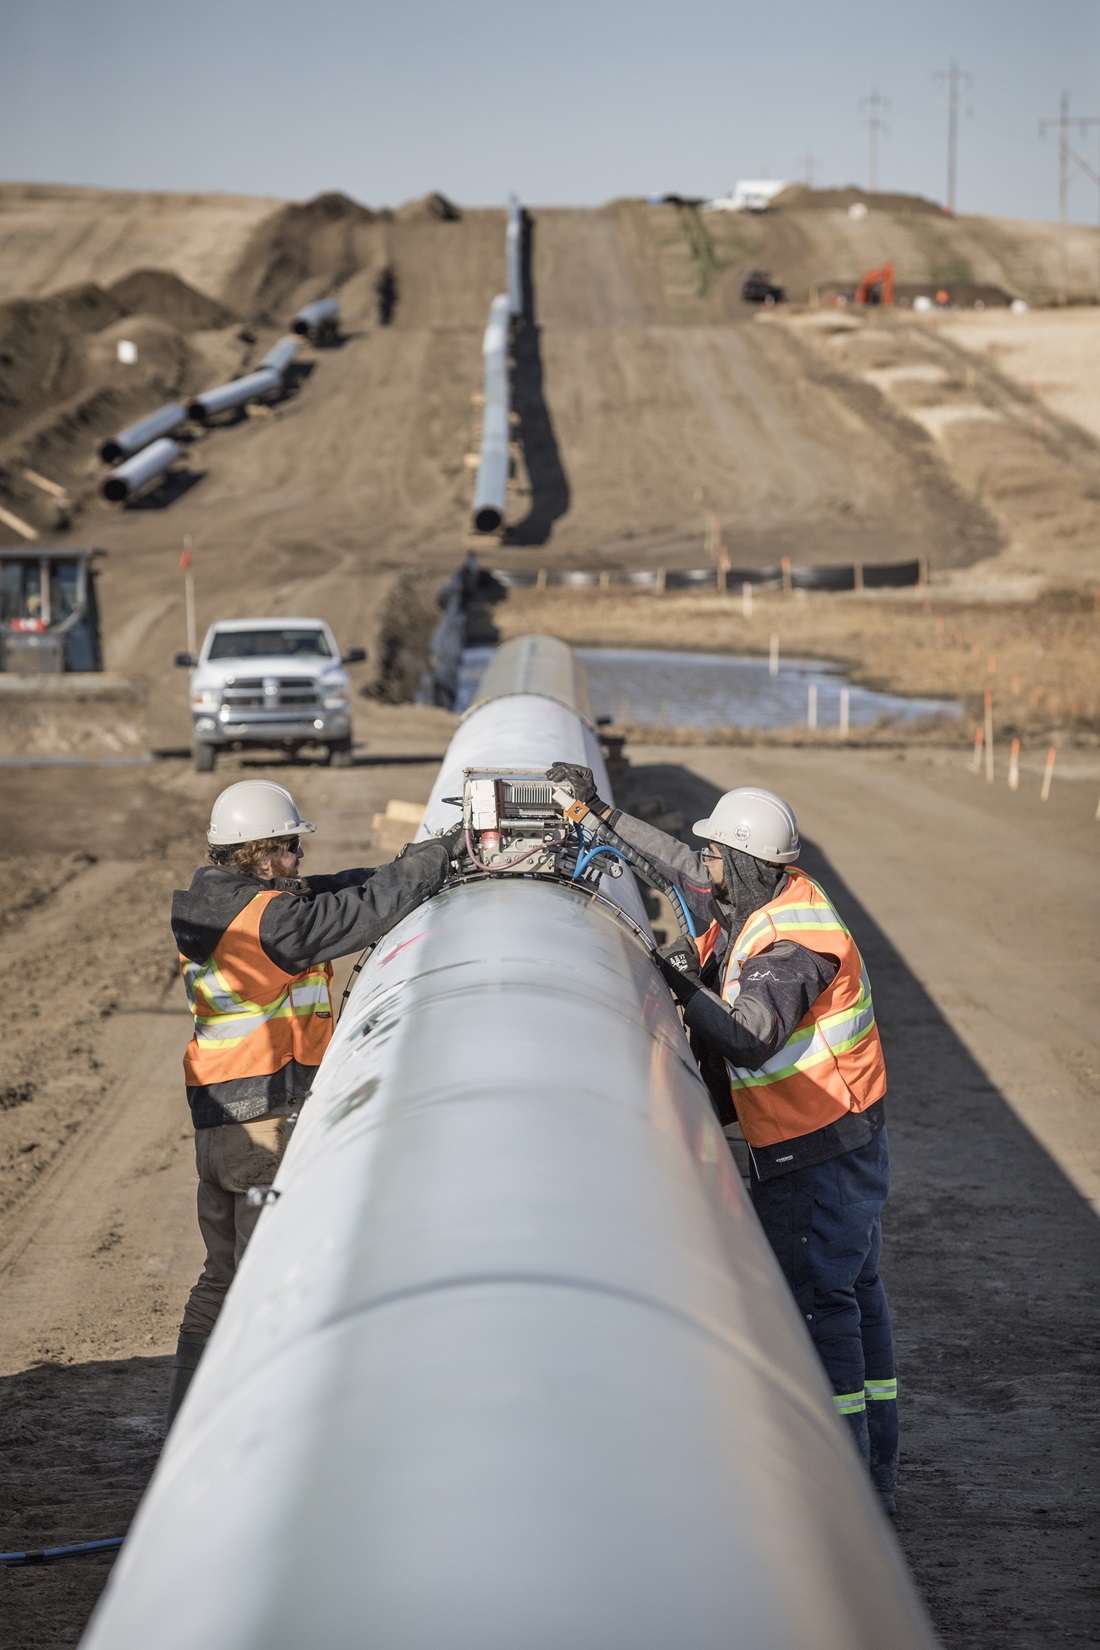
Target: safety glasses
292	844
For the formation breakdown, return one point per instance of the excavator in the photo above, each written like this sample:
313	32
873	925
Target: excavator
877	286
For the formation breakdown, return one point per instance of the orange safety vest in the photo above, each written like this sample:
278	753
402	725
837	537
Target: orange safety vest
832	1063
251	1018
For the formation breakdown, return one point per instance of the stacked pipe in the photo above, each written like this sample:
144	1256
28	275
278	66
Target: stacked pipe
508	1363
491	489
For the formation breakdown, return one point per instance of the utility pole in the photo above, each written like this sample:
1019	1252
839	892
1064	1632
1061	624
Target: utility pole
954	76
874	124
1065	155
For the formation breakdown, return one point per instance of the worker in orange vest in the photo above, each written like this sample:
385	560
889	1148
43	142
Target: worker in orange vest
256	943
778	1007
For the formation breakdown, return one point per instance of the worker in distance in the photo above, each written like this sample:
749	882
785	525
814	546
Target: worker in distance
777	1003
256	942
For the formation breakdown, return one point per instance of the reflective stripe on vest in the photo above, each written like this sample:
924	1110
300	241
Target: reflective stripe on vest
832	1063
251	1018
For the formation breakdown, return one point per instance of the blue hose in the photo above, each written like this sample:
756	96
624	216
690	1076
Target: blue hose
50	1555
600	848
682	903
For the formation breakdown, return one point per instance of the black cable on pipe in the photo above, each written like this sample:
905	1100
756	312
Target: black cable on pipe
52	1555
647	872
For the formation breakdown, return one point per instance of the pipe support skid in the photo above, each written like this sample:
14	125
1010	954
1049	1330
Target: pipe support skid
255	386
137	472
508	1365
491	491
135	436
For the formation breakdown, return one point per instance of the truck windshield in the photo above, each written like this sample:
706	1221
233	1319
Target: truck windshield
269	644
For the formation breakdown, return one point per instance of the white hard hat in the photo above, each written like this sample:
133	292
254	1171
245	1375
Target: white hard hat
252	810
757	822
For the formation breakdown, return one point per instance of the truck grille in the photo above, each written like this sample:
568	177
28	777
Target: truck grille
271	693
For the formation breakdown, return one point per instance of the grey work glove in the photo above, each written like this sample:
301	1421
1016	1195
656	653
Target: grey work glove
678	965
454	841
580	782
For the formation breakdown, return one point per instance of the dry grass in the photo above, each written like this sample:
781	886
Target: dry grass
1040	660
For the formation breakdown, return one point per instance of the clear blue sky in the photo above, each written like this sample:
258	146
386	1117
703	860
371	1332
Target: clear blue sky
566	102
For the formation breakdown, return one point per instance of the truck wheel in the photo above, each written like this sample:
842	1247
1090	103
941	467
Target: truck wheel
205	756
339	754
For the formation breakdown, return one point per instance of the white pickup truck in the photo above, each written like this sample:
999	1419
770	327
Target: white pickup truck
277	683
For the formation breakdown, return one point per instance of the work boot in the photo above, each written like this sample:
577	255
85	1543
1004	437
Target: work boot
189	1349
882	1426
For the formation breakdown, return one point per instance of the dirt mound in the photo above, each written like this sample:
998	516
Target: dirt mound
301	252
435	206
159	293
830	200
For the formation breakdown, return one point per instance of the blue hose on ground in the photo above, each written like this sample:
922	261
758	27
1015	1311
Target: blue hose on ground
51	1555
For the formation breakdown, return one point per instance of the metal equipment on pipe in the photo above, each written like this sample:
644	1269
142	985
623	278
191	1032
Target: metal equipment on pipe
255	386
491	489
319	317
138	435
280	355
146	466
514	251
508	1364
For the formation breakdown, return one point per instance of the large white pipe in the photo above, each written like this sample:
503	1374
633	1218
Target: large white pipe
281	354
514	253
255	386
137	472
319	317
491	489
138	435
509	1364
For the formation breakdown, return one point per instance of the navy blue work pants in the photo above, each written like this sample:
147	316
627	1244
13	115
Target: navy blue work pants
825	1225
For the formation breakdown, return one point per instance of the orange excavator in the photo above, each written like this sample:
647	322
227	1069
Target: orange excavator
877	286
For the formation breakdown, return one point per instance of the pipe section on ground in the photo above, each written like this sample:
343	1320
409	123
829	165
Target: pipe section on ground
255	386
514	251
317	319
491	490
508	1365
138	435
280	355
138	472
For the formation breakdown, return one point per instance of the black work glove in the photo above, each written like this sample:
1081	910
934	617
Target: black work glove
579	781
454	841
678	965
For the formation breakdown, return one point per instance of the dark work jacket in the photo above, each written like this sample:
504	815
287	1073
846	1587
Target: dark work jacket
319	919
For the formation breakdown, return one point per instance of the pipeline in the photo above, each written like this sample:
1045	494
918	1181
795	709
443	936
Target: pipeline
491	490
138	472
255	386
508	1364
138	435
317	320
514	255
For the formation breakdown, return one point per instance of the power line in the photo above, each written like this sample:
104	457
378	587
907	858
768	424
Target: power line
874	124
1063	122
954	76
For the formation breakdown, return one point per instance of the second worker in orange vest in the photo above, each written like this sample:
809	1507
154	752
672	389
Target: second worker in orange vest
778	1007
256	944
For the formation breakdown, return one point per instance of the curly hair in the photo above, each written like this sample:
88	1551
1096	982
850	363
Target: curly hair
246	856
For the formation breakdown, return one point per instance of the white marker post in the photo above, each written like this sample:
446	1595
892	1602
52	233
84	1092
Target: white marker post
979	740
989	737
811	705
1048	775
746	599
845	707
1014	766
773	656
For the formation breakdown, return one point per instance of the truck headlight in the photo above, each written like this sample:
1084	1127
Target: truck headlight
335	701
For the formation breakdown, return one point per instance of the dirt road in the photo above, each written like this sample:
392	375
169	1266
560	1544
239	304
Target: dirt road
984	977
